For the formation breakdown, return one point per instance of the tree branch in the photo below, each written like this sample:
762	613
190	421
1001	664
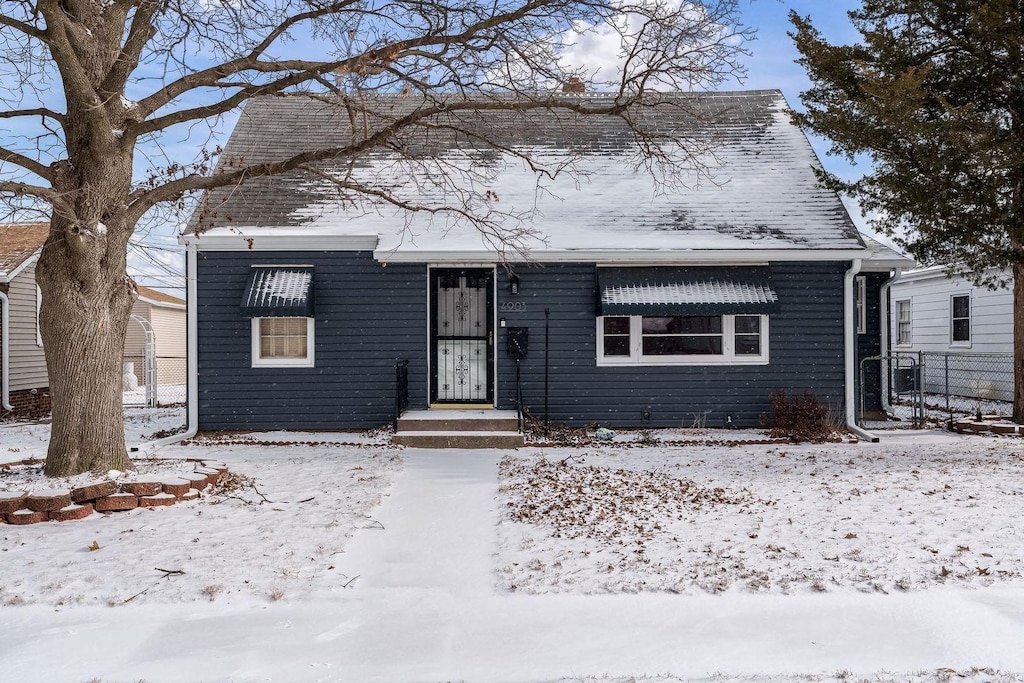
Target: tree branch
38	111
140	33
210	76
27	163
27	29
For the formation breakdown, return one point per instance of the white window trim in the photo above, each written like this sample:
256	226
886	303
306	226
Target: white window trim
910	336
636	358
307	362
970	320
861	300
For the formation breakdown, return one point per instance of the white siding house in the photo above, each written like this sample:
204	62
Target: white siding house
25	385
964	331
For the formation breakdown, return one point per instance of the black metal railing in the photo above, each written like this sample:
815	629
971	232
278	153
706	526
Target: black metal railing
401	389
520	416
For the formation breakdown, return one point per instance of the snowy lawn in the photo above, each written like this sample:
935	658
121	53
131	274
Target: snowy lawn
273	533
511	567
779	518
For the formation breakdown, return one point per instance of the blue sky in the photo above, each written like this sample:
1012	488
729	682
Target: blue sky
770	65
772	62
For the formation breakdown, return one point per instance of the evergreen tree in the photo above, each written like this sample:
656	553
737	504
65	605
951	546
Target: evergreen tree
933	94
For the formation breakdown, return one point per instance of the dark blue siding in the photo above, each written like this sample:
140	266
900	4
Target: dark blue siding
806	352
367	316
870	343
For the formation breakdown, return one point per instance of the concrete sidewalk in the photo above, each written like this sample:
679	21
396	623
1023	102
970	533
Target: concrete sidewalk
424	608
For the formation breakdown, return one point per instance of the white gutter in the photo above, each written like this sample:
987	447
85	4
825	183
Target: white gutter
5	360
850	338
192	359
885	316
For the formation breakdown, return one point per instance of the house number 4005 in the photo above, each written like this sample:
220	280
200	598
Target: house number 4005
513	306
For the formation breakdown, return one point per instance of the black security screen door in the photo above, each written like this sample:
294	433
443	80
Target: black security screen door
462	300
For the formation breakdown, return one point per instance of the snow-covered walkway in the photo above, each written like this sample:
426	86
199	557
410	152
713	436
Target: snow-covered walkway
424	608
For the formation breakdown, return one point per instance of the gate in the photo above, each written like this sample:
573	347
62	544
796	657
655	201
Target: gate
139	376
891	392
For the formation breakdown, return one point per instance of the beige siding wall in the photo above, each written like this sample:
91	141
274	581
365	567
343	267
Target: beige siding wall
169	328
135	341
28	362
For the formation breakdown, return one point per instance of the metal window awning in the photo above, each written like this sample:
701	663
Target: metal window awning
279	292
685	291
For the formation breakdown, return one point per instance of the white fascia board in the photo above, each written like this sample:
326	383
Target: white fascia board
284	242
6	278
886	265
660	257
933	273
162	304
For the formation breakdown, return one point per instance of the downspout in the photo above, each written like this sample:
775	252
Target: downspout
885	316
5	358
191	359
850	338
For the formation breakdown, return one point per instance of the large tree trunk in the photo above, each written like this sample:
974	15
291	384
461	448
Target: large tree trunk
1018	343
87	299
84	341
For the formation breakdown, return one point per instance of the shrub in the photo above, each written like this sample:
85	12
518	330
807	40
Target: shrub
800	418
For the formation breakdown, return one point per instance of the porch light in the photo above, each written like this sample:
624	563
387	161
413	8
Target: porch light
513	284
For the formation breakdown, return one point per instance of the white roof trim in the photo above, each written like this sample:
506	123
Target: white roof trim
636	257
938	273
161	304
8	277
287	241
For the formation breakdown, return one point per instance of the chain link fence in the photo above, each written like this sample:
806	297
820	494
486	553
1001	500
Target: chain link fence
155	381
909	389
963	383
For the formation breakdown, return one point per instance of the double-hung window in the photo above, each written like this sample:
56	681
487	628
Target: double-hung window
903	323
960	320
682	340
282	342
860	300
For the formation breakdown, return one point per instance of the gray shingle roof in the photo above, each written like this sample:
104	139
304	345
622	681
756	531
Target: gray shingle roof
761	192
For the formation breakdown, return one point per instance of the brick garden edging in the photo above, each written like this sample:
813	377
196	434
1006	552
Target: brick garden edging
993	425
63	505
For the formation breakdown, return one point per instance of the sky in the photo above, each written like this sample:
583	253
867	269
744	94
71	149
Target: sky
771	64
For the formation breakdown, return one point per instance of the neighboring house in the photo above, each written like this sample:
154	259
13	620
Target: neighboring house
964	332
158	318
24	386
636	307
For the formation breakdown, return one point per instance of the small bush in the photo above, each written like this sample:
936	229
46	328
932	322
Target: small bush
800	418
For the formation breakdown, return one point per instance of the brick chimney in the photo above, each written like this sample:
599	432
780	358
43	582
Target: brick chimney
574	86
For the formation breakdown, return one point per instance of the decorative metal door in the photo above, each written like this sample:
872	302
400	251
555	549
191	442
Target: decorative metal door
462	335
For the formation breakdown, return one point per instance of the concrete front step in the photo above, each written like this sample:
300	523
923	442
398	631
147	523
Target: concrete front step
458	439
458	424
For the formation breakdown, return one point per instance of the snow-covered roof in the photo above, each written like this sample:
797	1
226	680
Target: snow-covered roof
883	257
750	186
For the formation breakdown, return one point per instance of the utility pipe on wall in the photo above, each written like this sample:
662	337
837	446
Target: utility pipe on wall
5	358
850	337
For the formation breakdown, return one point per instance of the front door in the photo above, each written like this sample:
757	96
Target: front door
462	337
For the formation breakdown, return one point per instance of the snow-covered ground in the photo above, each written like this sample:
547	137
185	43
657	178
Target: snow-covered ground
340	558
783	518
167	394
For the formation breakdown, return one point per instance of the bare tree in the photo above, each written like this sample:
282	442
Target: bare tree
92	87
